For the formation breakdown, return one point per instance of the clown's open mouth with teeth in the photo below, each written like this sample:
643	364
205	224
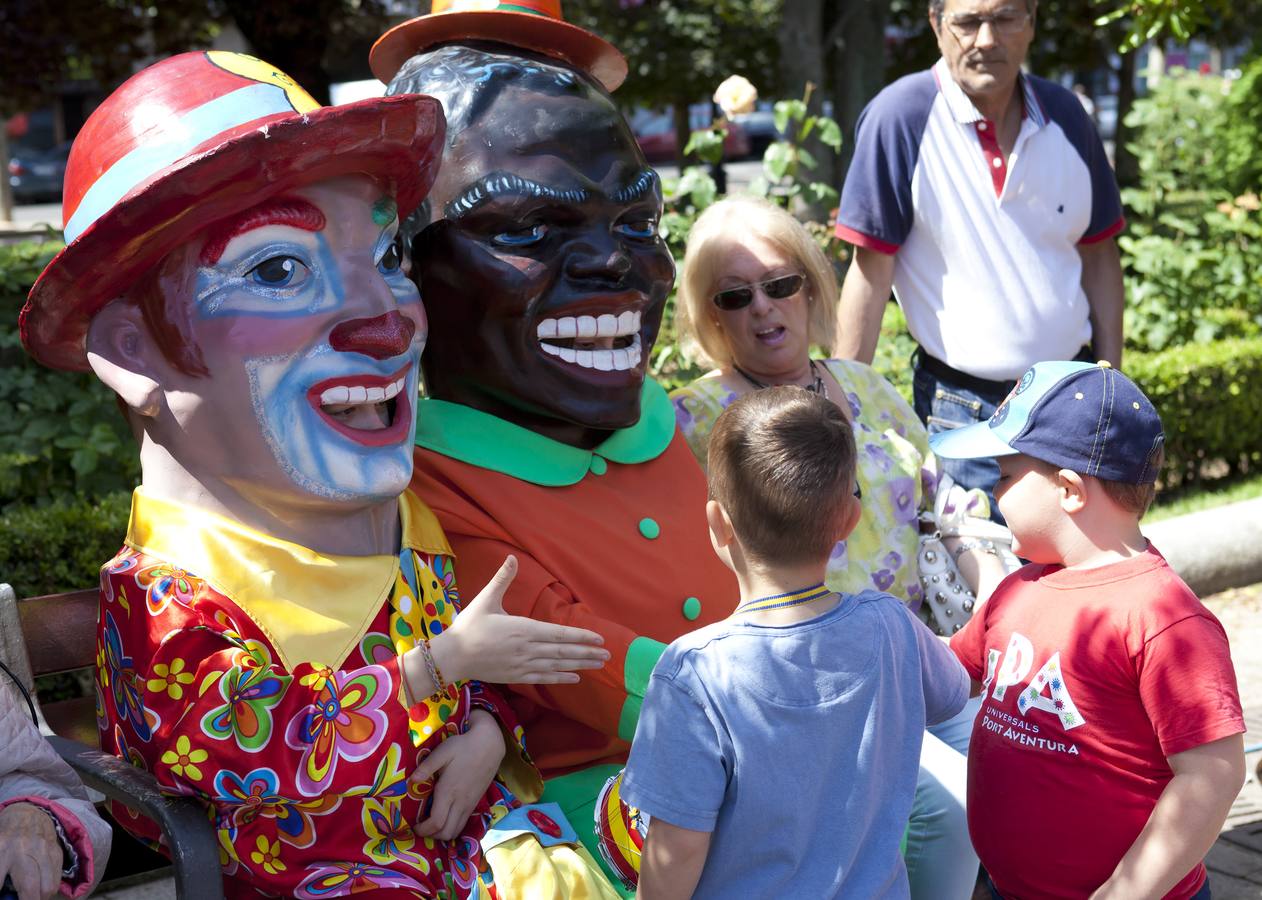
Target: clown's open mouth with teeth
369	409
604	342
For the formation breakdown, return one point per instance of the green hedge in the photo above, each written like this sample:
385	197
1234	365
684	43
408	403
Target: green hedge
61	435
46	549
1208	396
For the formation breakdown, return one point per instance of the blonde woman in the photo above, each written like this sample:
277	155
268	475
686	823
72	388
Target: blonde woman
755	294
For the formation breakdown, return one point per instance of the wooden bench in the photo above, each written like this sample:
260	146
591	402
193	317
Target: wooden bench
57	633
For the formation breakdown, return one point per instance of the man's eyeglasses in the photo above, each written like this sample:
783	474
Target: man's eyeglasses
1007	22
775	288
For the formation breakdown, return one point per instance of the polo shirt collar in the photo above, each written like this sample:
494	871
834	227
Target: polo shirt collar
962	108
313	607
488	442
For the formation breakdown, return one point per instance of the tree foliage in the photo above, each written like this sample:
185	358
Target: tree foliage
679	50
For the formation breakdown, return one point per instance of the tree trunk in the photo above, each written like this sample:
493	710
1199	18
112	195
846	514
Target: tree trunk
6	192
683	130
802	50
858	66
1125	165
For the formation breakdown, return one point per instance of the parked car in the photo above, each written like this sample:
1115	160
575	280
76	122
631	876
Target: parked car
655	133
760	127
37	176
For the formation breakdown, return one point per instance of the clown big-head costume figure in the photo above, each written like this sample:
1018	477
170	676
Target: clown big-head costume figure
232	272
545	279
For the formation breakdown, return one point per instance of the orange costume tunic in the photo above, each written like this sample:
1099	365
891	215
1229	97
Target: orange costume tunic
613	539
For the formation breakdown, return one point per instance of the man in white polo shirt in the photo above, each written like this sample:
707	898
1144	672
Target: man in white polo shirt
984	199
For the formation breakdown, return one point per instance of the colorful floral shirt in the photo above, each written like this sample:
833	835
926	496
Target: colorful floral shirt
264	680
896	472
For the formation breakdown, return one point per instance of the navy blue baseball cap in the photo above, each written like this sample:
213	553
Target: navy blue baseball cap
1085	417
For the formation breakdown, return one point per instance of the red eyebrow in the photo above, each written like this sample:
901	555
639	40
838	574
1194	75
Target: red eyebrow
290	211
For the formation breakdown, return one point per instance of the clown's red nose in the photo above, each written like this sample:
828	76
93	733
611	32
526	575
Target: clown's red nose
380	337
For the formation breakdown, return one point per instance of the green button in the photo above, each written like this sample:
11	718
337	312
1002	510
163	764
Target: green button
598	466
692	609
650	529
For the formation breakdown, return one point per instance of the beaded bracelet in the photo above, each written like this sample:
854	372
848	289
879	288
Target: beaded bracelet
985	545
435	673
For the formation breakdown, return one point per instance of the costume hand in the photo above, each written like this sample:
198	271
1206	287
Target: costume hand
488	644
30	853
462	766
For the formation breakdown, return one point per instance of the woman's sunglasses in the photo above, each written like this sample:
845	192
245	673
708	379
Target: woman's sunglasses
776	288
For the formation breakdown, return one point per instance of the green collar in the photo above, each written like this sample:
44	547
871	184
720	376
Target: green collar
483	440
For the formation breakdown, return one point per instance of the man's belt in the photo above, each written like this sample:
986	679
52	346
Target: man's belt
954	376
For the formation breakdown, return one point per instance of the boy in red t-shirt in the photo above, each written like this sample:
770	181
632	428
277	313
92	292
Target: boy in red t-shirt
1108	748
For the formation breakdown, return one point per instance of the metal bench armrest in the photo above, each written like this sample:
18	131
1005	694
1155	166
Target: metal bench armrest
190	839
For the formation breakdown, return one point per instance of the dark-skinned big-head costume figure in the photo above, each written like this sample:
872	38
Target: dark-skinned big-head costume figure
545	280
232	273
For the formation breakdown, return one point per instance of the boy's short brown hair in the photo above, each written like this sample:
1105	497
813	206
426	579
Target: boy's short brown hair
1134	498
781	463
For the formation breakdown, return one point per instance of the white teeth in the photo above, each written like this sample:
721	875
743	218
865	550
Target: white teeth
606	325
335	396
601	360
343	395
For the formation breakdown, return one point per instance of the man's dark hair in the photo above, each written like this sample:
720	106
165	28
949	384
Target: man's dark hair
782	463
935	8
468	77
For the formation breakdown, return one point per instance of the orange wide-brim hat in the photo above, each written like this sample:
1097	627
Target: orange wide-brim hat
191	140
535	25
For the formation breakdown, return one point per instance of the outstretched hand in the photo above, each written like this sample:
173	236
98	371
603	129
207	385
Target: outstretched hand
487	644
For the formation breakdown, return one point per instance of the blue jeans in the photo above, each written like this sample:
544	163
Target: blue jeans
943	406
1202	894
941	864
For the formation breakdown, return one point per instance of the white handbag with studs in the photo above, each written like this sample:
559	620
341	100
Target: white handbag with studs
948	601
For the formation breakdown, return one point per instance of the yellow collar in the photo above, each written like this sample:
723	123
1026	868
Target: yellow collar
312	608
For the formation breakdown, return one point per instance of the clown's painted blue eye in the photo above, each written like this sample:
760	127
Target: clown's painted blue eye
521	237
279	271
391	260
641	229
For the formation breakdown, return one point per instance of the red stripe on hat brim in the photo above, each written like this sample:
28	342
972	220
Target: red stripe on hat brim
561	40
396	140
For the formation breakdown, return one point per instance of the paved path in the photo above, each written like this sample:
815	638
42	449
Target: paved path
1235	862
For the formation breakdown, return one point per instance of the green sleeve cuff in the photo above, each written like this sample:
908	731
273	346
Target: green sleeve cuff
642	656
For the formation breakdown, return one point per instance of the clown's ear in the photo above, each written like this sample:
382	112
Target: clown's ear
120	352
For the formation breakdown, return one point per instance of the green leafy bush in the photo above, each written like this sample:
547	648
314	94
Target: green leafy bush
61	434
60	547
1193	251
1207	396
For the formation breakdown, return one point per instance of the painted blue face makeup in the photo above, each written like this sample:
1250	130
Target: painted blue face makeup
327	331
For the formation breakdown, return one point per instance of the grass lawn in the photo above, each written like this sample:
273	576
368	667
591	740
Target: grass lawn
1179	503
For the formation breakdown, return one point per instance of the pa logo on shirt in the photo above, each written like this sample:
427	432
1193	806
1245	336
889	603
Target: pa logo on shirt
1010	668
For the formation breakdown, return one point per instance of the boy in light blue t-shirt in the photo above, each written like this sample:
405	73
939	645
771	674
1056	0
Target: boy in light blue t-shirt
777	751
